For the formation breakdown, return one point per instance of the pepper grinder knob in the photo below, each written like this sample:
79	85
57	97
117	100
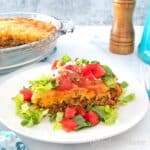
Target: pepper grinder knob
122	33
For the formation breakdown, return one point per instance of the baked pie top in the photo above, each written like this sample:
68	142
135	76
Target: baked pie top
18	31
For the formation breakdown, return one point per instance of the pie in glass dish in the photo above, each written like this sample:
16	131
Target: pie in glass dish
18	31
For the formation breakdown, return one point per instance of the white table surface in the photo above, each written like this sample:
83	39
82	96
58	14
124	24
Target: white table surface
92	42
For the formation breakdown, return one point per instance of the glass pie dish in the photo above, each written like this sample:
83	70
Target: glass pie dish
17	56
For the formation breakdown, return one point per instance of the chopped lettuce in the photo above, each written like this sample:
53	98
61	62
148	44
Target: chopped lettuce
55	118
18	99
41	80
44	83
29	116
109	72
109	81
82	123
109	78
57	126
107	114
25	107
124	99
80	61
52	117
65	58
124	84
95	62
59	116
33	117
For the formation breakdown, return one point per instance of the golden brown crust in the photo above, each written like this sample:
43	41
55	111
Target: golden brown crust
59	100
18	31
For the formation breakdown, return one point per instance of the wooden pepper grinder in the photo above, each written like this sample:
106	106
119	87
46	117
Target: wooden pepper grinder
122	33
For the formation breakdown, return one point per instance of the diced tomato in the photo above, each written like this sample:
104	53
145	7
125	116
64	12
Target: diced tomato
88	74
60	63
70	112
74	68
65	83
68	124
81	111
92	71
99	71
87	83
84	82
97	86
69	67
54	64
27	94
92	117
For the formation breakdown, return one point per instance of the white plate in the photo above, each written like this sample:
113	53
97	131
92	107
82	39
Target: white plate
128	116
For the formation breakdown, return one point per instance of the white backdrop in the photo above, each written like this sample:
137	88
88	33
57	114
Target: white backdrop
81	11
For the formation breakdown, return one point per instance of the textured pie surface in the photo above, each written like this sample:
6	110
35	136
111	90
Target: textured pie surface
18	31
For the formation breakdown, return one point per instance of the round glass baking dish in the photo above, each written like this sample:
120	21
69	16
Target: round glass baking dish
18	56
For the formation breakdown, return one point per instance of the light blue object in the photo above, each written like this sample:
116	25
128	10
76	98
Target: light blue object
148	92
10	141
144	46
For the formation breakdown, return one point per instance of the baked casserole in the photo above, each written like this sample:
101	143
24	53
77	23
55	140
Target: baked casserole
18	31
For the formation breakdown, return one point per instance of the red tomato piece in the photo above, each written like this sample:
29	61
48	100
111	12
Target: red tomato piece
88	74
64	83
27	94
84	82
69	67
74	68
68	124
81	111
70	112
92	117
54	64
93	71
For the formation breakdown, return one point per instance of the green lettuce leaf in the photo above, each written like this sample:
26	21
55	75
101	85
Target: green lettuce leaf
109	72
109	78
125	99
18	99
82	123
33	117
57	126
65	58
59	116
95	62
80	61
52	117
109	81
124	84
107	114
55	118
44	83
29	116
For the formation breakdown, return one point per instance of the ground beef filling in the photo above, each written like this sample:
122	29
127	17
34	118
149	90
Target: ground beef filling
110	99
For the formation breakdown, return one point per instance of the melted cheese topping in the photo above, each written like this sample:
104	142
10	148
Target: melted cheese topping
52	97
17	31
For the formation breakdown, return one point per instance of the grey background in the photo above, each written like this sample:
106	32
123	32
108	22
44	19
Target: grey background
80	11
